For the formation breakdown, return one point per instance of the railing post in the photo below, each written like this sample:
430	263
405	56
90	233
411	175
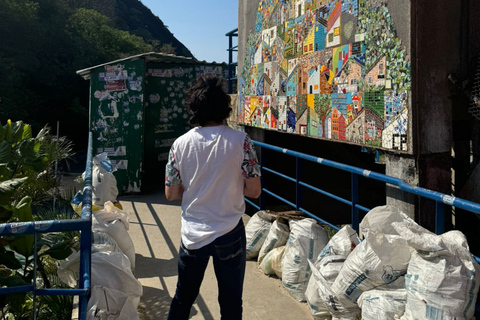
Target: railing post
439	217
298	187
262	178
355	198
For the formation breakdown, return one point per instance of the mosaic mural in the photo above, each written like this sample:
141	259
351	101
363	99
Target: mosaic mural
331	69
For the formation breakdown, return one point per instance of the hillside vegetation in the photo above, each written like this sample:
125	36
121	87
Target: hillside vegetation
44	42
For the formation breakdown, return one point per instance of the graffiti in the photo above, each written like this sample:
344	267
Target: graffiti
330	69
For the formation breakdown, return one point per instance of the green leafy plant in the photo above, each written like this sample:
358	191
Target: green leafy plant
27	182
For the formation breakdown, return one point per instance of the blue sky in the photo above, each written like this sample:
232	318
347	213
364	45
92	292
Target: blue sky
200	25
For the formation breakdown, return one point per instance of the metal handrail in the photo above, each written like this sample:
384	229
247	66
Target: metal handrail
440	198
84	225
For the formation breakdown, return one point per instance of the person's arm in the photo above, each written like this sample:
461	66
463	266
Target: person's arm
173	182
251	171
252	187
174	192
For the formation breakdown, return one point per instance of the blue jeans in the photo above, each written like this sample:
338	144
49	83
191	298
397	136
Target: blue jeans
229	256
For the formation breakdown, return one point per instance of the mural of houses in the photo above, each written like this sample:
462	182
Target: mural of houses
349	77
257	59
313	84
395	103
357	102
282	114
308	44
394	136
374	101
334	24
341	127
292	82
298	7
267	83
355	129
278	87
269	36
326	80
260	86
302	74
377	74
274	113
373	128
340	56
320	34
349	28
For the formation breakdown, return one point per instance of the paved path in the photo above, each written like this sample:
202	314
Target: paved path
155	231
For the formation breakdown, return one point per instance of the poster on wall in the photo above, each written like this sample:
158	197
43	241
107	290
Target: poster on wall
328	69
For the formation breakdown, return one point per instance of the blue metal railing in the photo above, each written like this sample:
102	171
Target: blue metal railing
84	224
440	199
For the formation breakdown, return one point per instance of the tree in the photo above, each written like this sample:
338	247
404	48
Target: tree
323	106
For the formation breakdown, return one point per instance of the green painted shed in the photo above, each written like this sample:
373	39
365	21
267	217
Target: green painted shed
136	112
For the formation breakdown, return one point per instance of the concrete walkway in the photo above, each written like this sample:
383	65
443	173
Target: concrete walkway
155	231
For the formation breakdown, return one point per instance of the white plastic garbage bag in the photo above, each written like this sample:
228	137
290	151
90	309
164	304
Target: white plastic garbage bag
378	260
276	237
380	219
272	262
341	244
443	279
109	269
381	305
103	242
328	264
276	259
307	239
115	222
110	304
326	303
104	184
256	231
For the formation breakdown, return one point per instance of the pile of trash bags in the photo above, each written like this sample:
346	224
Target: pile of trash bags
115	292
399	270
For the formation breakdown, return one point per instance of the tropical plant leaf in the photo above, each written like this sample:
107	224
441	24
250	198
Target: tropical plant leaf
60	251
8	130
17	132
22	210
23	213
8	188
5	152
8	259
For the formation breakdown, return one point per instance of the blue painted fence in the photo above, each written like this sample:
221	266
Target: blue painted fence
84	224
441	199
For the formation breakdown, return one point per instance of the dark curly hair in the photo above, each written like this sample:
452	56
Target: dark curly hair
207	100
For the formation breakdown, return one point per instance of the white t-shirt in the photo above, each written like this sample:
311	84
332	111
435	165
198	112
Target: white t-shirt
211	163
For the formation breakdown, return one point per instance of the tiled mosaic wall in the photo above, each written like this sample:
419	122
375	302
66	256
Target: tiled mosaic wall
331	69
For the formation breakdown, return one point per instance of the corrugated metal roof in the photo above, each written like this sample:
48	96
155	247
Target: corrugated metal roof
149	57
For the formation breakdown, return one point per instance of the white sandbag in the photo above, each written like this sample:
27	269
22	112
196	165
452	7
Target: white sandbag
327	302
328	267
276	237
276	259
115	222
109	269
106	303
341	244
378	260
380	219
104	184
329	263
307	239
103	242
256	231
266	264
443	279
381	305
